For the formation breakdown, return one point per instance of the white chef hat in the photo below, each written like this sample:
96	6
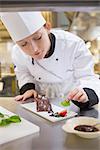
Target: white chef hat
22	24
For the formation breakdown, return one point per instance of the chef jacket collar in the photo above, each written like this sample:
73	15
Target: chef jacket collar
52	47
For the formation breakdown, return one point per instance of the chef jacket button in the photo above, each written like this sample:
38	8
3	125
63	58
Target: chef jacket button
32	61
56	59
39	78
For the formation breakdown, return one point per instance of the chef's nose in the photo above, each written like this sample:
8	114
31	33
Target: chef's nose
33	45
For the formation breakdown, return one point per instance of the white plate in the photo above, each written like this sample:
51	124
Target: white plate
32	108
16	130
73	122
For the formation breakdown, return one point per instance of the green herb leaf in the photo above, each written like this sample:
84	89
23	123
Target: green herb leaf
14	119
4	122
65	103
1	115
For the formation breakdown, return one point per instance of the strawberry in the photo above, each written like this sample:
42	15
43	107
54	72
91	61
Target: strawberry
63	113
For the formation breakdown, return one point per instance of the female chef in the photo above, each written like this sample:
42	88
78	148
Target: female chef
50	62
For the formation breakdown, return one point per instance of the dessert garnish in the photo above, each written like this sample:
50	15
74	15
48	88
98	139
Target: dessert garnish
62	113
65	103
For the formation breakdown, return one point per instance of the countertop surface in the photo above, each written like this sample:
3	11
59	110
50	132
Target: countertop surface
51	135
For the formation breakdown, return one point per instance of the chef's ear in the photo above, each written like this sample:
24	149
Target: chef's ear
48	26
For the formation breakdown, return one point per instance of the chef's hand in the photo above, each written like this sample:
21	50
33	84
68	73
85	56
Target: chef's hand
78	94
26	95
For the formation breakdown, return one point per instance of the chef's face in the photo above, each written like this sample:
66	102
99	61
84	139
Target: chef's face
37	44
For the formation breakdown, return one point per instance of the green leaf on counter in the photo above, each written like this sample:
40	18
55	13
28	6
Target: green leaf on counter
14	119
4	122
9	120
65	103
1	115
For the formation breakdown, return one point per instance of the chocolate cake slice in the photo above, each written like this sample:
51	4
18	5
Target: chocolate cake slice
43	105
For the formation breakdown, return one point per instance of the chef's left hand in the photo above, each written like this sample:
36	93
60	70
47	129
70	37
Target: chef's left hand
78	94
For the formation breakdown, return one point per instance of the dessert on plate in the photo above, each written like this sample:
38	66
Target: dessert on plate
43	104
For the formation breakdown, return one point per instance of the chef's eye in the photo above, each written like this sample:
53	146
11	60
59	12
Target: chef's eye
24	44
38	38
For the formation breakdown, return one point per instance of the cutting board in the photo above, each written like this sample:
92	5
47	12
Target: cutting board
16	130
32	108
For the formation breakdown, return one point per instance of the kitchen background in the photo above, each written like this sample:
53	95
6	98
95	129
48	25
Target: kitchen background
84	24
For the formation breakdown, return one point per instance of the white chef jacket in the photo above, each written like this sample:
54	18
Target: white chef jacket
70	66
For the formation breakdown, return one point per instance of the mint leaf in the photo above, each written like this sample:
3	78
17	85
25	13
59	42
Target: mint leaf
65	103
4	122
14	119
1	115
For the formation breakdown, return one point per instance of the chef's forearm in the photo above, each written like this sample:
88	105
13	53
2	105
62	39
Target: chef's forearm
26	87
93	99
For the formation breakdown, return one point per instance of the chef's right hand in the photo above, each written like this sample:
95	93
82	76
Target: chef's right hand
26	95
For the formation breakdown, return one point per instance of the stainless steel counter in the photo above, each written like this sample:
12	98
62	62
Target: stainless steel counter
51	136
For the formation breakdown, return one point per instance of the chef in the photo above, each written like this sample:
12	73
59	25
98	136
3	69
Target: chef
50	62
